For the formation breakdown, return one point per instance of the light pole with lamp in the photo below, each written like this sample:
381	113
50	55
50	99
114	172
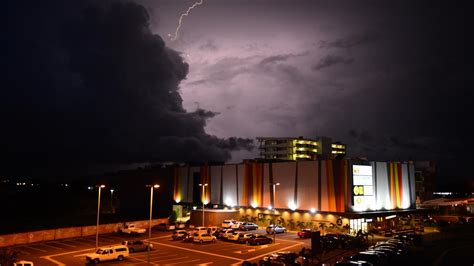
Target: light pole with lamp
98	211
112	201
203	186
149	222
274	209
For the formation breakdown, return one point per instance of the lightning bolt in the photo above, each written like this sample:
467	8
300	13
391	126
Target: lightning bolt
180	22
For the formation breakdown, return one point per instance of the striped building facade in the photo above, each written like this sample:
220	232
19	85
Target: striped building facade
333	186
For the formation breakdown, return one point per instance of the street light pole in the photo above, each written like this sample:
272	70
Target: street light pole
203	186
97	225
274	210
112	201
149	222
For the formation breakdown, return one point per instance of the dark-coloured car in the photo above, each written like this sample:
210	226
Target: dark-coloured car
275	229
179	234
259	240
280	258
164	227
366	256
188	238
304	233
137	245
248	226
330	241
345	262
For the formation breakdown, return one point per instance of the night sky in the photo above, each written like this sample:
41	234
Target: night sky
102	84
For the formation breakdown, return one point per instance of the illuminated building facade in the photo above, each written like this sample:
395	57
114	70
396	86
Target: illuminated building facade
339	188
324	185
296	149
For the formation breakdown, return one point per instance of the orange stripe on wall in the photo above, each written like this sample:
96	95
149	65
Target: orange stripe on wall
331	192
400	185
392	186
342	186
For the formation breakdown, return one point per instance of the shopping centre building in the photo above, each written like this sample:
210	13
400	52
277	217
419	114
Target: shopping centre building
336	192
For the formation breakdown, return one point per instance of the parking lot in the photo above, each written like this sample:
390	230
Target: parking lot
165	252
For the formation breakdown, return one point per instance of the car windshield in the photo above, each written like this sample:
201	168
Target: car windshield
99	251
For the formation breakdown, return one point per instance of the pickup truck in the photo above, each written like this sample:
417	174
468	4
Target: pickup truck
139	245
131	229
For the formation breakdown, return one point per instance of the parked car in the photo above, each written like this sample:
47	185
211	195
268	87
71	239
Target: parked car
330	241
229	234
236	225
137	245
259	240
248	226
212	230
200	229
164	227
304	233
228	223
117	252
244	237
223	233
131	229
201	238
275	228
280	258
386	250
344	262
234	236
188	238
366	256
179	234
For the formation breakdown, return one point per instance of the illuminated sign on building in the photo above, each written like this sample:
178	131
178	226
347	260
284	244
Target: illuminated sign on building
363	189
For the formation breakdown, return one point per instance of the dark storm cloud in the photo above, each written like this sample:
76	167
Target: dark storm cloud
351	41
89	83
279	58
331	60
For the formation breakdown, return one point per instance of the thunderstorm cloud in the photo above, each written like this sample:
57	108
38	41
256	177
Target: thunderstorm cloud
89	83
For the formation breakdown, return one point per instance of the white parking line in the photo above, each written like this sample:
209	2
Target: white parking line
50	246
162	256
142	260
53	260
183	262
159	261
21	251
85	240
197	251
37	249
64	244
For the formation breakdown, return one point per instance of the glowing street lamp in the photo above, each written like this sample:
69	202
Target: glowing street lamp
203	187
112	200
98	211
149	222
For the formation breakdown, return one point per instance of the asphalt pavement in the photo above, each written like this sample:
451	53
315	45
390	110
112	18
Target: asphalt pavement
165	252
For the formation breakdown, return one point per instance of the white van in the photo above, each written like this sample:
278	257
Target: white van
117	252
